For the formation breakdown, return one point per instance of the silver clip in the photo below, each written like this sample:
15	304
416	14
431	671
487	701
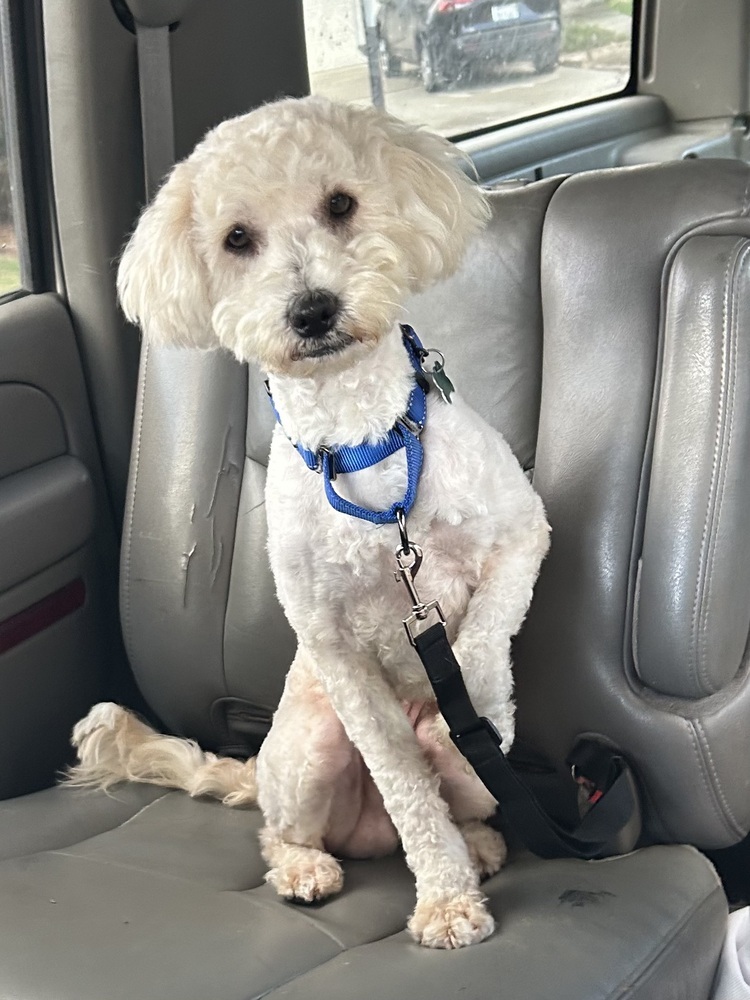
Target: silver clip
408	560
411	425
408	570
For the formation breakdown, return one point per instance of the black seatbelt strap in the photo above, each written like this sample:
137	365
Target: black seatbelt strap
614	800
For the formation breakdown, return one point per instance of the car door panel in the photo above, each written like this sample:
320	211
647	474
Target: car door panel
43	435
58	639
46	512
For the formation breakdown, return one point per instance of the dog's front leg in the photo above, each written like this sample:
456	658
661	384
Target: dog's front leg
302	759
482	648
495	614
450	910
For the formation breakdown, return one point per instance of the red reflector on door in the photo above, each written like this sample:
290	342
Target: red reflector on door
42	614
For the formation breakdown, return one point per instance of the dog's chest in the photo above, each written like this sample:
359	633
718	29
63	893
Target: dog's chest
342	558
348	590
336	572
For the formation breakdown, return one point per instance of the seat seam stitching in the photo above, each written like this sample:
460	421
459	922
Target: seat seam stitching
151	872
299	914
93	836
702	768
733	338
694	662
135	815
130	513
695	665
706	748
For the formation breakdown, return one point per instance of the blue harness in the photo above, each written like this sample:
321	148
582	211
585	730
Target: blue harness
331	462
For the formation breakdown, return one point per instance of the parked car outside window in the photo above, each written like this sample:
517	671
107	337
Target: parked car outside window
456	41
456	66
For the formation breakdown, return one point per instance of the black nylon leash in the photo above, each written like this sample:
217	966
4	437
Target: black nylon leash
607	777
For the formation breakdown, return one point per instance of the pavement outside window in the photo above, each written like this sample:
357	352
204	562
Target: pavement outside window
594	61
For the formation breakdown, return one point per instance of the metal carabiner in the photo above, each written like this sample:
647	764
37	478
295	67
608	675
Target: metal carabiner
408	560
407	571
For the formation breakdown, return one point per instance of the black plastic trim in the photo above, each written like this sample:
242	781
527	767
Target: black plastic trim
123	15
126	19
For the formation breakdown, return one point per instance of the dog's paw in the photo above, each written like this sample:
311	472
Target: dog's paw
306	875
106	715
486	846
451	923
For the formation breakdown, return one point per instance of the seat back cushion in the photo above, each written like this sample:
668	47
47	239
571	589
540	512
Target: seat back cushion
206	636
600	324
639	626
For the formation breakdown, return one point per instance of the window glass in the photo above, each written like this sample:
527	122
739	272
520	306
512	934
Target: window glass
461	65
10	266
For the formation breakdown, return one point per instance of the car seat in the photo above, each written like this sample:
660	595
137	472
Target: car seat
601	324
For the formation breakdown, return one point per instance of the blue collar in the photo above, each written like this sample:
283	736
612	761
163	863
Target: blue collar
331	462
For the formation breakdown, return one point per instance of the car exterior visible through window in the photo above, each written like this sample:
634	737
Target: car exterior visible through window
451	41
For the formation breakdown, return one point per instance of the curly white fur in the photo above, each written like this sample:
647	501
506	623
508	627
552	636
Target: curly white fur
357	757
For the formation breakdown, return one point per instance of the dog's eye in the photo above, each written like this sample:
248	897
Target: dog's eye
238	240
341	205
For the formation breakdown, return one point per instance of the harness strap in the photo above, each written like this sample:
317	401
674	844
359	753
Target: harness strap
354	458
616	803
331	462
414	457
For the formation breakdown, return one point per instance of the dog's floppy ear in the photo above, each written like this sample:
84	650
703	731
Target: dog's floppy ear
161	281
438	203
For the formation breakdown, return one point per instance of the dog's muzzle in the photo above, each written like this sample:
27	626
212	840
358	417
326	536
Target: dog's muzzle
314	313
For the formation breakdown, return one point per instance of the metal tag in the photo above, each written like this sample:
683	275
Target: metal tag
436	373
442	383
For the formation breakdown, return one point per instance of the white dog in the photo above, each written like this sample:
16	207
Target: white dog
292	237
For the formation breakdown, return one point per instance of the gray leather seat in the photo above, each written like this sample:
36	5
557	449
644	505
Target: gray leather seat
601	323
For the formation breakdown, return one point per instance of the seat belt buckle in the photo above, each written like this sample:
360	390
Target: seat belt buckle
586	786
482	725
594	770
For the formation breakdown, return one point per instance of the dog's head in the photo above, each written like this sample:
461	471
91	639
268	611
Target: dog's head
292	235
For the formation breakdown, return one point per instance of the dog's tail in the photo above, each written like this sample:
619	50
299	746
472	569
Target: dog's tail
115	745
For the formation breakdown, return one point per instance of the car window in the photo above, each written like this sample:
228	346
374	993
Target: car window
458	66
10	269
10	259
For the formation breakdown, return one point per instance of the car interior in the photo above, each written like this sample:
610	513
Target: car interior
598	323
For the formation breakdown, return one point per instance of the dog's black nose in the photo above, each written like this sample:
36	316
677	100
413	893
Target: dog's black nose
314	313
